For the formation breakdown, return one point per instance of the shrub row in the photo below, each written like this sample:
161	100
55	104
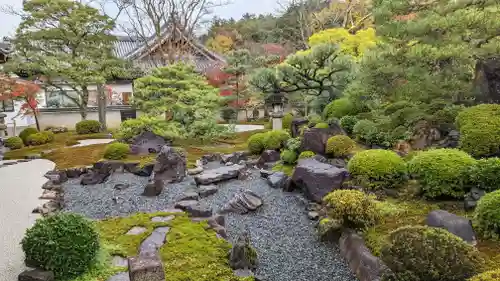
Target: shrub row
88	127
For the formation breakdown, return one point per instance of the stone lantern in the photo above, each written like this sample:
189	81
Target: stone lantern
3	126
277	102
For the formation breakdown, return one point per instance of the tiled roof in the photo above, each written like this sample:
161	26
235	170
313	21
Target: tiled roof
125	45
5	48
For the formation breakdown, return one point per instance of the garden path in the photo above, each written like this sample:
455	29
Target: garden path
20	186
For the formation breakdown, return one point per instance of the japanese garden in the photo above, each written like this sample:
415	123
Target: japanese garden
332	140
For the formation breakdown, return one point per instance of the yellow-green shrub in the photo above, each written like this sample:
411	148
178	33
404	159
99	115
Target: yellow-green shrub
322	125
338	108
26	133
487	215
492	275
340	146
441	171
275	139
306	154
480	129
352	208
88	127
14	143
288	157
37	139
255	143
49	135
421	253
377	168
116	151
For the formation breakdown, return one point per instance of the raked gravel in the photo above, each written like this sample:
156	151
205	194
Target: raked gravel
283	236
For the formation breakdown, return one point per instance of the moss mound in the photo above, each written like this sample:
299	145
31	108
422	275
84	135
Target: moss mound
421	253
288	157
340	146
487	215
38	139
14	143
377	168
26	133
479	129
306	154
117	151
256	143
441	172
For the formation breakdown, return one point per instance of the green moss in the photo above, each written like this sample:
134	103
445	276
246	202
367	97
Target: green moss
102	269
281	167
191	253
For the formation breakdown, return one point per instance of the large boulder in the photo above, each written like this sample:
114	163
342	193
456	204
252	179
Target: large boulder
219	174
277	180
153	188
471	198
243	202
234	157
269	156
317	179
315	139
147	143
361	261
487	81
243	255
457	225
170	165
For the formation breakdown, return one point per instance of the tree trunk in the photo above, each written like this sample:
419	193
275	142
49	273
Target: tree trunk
84	102
102	103
36	120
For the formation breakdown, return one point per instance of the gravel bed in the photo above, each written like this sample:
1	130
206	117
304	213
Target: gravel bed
283	236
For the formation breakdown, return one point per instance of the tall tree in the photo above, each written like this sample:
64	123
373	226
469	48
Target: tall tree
65	44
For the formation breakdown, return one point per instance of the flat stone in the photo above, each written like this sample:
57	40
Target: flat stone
188	196
122	276
243	202
163	219
199	210
183	205
119	261
154	241
136	230
49	195
195	171
173	210
219	174
207	190
121	186
265	173
147	267
36	275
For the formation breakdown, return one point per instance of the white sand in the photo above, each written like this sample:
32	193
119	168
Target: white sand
245	128
20	187
92	141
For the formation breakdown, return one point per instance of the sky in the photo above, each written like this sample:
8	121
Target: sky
236	9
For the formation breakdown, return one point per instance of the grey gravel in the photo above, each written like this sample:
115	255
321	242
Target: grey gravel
281	232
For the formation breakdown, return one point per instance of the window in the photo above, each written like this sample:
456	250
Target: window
7	106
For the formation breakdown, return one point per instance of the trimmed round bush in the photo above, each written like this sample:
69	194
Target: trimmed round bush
492	275
479	129
88	127
377	168
422	253
276	139
352	208
484	174
322	125
306	154
487	215
348	122
255	143
38	139
14	143
340	146
288	157
338	108
26	133
117	151
441	172
49	135
65	243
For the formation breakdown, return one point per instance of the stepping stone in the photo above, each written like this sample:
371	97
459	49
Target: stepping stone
219	174
36	275
207	190
146	267
119	261
188	196
174	210
183	205
136	230
122	276
153	243
163	219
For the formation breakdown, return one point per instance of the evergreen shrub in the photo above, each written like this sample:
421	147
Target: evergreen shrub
255	143
348	122
65	243
480	129
377	168
117	151
441	172
85	127
306	154
38	139
340	146
26	133
289	157
484	174
14	143
487	215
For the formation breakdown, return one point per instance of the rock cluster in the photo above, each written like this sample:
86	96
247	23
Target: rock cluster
220	174
52	191
243	202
